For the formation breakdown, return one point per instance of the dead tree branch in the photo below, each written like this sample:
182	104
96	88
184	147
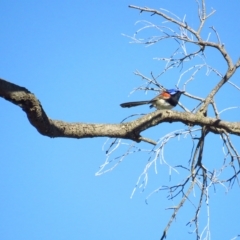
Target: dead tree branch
23	98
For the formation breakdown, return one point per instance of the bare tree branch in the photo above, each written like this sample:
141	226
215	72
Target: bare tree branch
131	130
198	175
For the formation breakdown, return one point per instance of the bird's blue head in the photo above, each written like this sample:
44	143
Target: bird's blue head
173	91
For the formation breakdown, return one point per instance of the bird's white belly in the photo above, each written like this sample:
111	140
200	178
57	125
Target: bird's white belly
161	104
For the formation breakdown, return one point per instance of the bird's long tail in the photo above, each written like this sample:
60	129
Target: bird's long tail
133	104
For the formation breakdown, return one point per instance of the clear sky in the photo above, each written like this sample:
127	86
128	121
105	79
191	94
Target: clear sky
73	57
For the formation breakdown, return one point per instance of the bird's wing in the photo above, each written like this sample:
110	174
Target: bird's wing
165	95
162	95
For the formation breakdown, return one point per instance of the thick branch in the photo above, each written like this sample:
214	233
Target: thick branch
23	98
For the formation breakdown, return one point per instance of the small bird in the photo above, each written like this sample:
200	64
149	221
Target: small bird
167	99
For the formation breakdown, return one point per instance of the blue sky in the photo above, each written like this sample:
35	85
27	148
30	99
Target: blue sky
73	57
